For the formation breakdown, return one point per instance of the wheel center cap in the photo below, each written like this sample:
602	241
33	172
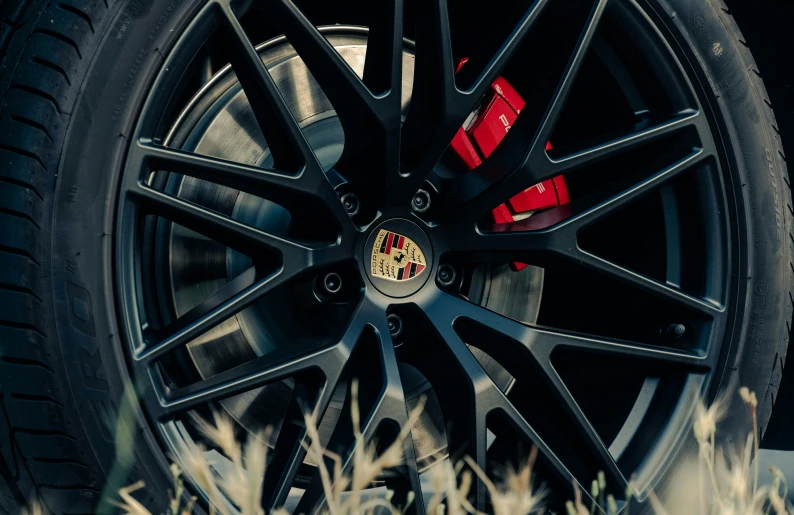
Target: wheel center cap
398	257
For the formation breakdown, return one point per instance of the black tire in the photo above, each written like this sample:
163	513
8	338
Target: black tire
73	74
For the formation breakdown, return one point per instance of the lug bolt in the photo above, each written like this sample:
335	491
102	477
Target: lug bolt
350	203
395	325
421	201
675	331
332	283
446	275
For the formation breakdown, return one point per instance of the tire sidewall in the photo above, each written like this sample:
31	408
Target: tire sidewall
756	178
703	33
122	71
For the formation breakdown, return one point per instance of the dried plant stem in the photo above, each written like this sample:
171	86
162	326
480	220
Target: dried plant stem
756	446
124	440
751	401
701	486
727	491
318	454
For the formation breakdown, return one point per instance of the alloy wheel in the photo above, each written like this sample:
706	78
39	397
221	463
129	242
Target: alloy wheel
499	383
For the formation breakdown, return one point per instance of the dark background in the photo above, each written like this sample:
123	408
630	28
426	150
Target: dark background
768	28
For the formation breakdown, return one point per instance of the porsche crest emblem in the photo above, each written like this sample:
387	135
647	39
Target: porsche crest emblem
396	258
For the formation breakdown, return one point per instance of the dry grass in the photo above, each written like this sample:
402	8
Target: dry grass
727	480
344	489
367	465
722	482
33	509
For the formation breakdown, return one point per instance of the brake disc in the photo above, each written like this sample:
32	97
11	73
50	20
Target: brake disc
219	122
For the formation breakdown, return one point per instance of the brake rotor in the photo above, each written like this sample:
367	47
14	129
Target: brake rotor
219	122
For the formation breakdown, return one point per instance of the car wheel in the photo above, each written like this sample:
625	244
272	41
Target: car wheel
554	224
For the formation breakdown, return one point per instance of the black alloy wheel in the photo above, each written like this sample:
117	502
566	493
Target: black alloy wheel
279	220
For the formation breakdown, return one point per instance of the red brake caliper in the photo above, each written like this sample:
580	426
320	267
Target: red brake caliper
481	134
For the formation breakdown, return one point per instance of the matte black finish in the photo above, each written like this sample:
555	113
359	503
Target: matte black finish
388	162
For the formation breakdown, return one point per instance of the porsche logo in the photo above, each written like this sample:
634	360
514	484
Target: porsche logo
396	258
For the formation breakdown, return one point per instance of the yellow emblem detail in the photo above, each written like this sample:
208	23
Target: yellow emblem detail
396	257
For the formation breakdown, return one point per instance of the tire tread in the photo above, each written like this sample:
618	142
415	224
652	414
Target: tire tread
43	454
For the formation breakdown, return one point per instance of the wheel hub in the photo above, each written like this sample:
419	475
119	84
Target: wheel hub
219	122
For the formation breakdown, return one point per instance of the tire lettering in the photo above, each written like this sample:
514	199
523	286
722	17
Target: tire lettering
775	195
757	319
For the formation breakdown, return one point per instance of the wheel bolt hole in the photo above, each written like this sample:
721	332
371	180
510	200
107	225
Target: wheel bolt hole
674	331
395	325
332	283
446	275
351	204
421	201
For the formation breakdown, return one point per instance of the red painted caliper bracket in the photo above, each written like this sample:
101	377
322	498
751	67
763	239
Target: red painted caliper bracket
481	134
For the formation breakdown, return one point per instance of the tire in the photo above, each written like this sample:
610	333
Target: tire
73	76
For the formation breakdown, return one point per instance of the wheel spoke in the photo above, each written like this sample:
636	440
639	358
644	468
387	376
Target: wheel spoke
371	123
474	194
380	146
538	346
466	395
468	408
555	230
289	452
497	62
540	246
383	63
295	193
439	108
278	365
434	92
275	366
227	231
553	233
574	413
232	298
707	308
382	402
514	344
642	135
284	137
542	342
568	78
592	214
559	238
477	192
349	96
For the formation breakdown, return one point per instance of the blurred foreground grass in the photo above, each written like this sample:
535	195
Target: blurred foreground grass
721	482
